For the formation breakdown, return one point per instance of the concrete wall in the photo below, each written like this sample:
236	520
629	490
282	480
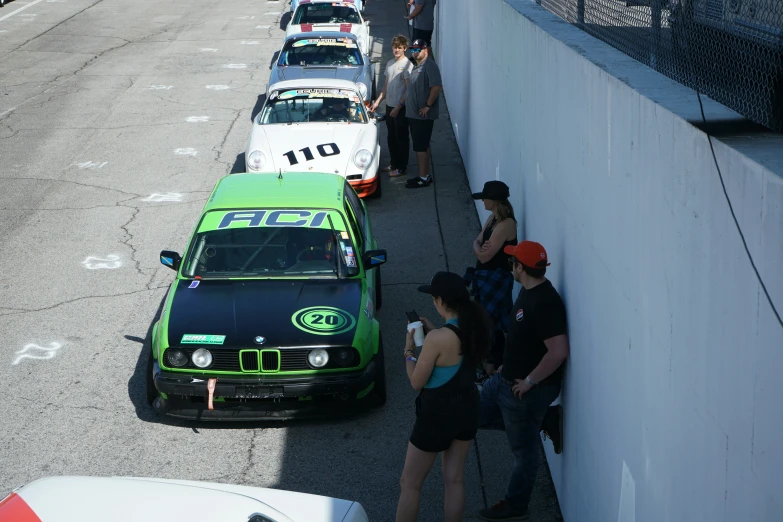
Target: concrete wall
672	399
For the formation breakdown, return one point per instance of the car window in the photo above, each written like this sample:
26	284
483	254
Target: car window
357	233
358	209
269	243
326	13
312	105
321	51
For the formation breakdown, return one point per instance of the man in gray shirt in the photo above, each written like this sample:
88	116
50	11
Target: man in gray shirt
423	17
421	109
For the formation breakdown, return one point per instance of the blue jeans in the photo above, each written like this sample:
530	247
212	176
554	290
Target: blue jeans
521	419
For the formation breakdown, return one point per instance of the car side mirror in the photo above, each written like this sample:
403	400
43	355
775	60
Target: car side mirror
170	259
375	60
373	258
379	117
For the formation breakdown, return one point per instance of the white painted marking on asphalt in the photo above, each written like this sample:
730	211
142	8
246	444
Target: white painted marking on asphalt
211	87
187	151
263	26
197	119
235	66
48	352
91	165
110	262
160	198
254	42
208	50
160	87
272	13
245	17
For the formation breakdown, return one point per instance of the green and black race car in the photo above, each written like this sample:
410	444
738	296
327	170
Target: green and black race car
272	312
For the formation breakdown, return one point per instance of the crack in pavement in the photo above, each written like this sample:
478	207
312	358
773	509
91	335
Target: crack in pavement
250	450
218	149
75	183
76	299
68	406
129	238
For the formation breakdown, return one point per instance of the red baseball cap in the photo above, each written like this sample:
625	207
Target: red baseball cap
529	253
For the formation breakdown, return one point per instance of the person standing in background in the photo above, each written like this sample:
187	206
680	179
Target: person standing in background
398	73
421	109
518	396
423	18
492	280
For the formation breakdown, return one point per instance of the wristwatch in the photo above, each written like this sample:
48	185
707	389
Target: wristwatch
428	105
529	381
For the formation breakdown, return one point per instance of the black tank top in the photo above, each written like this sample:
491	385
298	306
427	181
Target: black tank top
500	259
456	393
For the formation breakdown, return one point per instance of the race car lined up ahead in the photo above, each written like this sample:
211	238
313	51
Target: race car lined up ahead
136	499
319	126
359	3
328	15
325	54
272	311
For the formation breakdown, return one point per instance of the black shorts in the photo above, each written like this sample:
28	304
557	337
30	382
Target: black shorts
436	431
421	133
417	34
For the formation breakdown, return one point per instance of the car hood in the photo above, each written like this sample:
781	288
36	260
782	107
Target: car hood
92	499
296	72
276	140
242	310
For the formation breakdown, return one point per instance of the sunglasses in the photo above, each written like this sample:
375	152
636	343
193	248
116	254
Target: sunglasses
415	49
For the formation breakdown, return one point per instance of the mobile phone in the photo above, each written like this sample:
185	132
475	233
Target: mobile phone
412	316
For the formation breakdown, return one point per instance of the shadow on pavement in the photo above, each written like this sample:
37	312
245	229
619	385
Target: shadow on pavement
257	107
239	164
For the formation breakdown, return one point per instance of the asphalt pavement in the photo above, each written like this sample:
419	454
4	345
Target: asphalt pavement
117	117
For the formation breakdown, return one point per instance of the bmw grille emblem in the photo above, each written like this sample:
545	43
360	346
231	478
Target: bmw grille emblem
260	340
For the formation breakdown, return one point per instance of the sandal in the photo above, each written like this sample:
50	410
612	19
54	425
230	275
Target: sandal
396	173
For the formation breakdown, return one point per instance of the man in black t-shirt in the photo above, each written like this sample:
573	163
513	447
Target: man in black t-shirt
518	396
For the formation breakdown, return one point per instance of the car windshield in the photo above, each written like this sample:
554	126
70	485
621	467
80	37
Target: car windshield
326	13
308	51
270	243
313	105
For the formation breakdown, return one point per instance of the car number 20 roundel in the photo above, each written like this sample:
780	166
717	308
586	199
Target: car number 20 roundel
324	150
323	320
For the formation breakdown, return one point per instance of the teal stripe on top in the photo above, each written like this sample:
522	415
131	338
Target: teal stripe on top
443	374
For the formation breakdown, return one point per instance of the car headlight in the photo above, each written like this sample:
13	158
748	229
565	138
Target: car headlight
344	357
256	160
363	158
176	358
318	358
362	89
202	358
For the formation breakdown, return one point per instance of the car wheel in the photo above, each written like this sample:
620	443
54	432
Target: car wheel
152	392
379	392
378	289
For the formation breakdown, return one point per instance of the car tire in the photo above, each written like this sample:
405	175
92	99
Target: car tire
151	391
378	289
379	391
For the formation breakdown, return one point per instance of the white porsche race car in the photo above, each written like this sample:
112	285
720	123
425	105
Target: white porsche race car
359	4
126	499
319	125
328	15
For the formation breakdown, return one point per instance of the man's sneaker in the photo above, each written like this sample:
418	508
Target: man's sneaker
418	182
502	511
552	426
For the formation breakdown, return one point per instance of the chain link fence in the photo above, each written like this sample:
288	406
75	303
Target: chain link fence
730	50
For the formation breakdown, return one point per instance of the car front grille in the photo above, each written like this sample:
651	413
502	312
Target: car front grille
271	360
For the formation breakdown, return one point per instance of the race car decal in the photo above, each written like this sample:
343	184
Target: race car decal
308	154
274	218
323	320
13	507
202	339
313	93
332	42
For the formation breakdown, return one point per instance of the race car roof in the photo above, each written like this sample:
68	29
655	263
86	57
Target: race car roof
314	83
295	189
327	2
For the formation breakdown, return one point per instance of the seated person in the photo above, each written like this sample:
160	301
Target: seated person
334	109
310	244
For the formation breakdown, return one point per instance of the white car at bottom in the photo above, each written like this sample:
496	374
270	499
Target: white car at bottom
318	125
329	15
126	499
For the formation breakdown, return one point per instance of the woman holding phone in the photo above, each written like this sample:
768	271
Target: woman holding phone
447	408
